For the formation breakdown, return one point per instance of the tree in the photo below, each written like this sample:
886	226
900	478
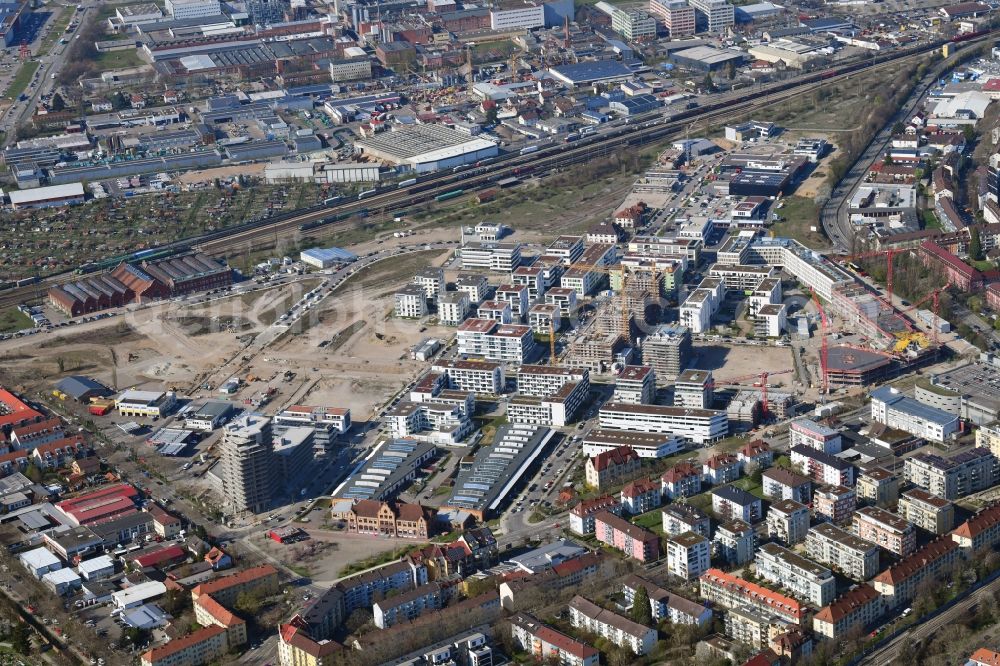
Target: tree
33	473
20	637
707	84
642	612
249	603
975	245
898	127
491	115
57	103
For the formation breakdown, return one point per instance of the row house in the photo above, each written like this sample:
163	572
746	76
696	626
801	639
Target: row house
618	630
899	583
546	645
980	531
409	605
857	609
731	591
667	606
59	453
636	542
31	435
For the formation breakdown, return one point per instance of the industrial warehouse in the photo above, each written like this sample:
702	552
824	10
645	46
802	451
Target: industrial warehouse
425	148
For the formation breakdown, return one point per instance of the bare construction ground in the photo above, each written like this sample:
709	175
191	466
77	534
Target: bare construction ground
731	361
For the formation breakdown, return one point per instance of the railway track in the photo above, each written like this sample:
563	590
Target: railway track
646	130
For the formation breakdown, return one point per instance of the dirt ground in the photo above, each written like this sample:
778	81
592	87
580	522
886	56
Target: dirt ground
208	175
731	361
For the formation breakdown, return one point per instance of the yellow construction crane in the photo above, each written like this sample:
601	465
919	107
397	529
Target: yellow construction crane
905	340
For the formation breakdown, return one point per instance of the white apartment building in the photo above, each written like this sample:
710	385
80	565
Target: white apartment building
482	377
694	389
951	478
439	423
700	426
677	15
814	435
621	631
544	318
696	311
788	522
733	542
475	286
680	518
635	385
453	308
688	555
495	342
543	380
646	445
896	410
517	296
539	639
822	467
498	311
431	280
804	579
771	321
810	268
847	553
556	409
410	302
567	249
537	278
563	298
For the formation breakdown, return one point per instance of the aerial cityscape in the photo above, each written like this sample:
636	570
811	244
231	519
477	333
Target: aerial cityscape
444	333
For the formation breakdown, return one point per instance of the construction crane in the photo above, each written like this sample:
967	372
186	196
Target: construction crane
824	350
889	255
935	298
761	378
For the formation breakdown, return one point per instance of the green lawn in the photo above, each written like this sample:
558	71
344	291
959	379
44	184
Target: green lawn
651	520
800	214
119	59
754	489
21	81
983	265
931	221
12	319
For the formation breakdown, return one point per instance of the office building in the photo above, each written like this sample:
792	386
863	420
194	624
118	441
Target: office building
189	9
633	25
896	410
247	463
678	16
809	433
700	426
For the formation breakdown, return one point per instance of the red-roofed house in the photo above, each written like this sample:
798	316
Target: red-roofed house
397	519
165	524
984	656
295	646
208	612
581	516
958	273
766	657
160	558
757	452
545	644
610	467
262	579
681	480
30	435
721	468
641	496
15	413
980	531
59	453
15	461
898	584
860	607
199	647
731	591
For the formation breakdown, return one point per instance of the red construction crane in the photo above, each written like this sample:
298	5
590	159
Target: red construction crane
824	350
889	254
761	381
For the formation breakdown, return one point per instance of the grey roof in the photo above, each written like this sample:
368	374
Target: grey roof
734	494
825	458
385	469
586	72
78	386
547	556
910	406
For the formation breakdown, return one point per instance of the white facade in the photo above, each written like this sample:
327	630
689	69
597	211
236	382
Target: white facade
483	377
453	307
688	555
700	426
611	626
186	9
788	522
410	302
805	580
814	435
853	556
896	410
518	17
350	69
